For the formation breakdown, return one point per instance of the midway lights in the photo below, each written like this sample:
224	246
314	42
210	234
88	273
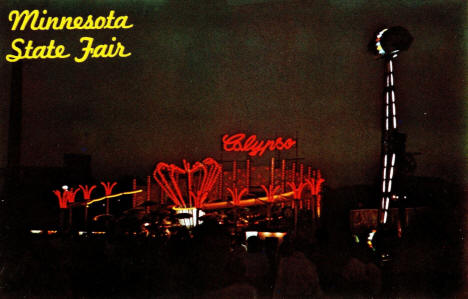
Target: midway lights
378	46
190	186
254	147
53	232
113	196
201	177
189	217
68	195
40	231
389	42
370	239
263	235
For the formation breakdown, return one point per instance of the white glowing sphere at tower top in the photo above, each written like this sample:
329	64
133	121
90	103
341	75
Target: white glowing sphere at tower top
390	41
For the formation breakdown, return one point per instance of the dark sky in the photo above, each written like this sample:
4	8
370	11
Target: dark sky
272	68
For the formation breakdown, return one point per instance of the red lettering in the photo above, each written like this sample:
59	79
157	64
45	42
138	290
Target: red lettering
233	143
258	148
269	144
279	143
253	146
289	143
249	143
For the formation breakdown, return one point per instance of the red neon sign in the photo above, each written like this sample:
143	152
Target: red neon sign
315	184
297	190
62	199
270	192
239	143
108	187
236	195
87	191
66	197
197	194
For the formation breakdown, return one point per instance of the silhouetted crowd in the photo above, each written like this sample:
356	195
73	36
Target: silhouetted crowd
209	261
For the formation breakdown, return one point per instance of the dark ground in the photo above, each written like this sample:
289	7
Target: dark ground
426	262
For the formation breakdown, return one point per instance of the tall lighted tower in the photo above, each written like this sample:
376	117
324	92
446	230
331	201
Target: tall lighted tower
388	43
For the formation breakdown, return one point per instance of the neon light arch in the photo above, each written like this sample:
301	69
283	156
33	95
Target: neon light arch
208	170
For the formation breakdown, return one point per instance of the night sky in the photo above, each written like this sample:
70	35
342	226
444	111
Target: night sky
201	69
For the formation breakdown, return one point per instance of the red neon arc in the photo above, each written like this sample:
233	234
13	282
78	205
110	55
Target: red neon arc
87	191
315	183
236	195
70	195
66	197
197	194
297	189
62	199
238	143
270	192
108	187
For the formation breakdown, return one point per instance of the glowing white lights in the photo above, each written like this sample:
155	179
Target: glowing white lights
370	238
377	42
390	116
250	234
40	231
192	217
263	235
385	204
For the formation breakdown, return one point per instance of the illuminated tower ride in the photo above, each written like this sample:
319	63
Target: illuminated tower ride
388	43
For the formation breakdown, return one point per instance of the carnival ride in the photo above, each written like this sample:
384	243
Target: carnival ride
193	189
198	188
388	43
